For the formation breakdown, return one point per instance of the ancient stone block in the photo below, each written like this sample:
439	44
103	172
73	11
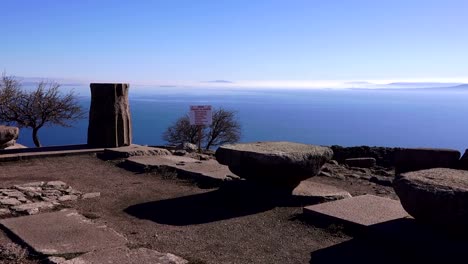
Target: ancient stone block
413	159
109	116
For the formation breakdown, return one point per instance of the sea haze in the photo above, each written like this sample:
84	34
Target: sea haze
422	118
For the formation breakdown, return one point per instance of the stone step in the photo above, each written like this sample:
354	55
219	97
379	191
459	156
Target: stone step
359	212
133	150
319	192
209	170
61	233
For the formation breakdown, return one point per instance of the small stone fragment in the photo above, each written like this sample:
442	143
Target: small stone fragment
326	174
56	260
68	198
56	184
32	211
32	184
12	193
91	195
4	211
31	207
27	188
34	194
23	199
52	193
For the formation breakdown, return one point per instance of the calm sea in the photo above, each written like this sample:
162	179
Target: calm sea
325	117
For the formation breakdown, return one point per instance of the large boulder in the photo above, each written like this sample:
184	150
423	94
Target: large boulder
8	135
413	159
437	196
109	116
285	163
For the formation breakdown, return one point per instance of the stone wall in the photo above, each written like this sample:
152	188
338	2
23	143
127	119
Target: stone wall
384	156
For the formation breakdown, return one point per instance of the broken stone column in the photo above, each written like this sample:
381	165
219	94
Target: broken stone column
109	116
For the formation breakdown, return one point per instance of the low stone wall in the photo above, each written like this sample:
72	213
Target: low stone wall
384	156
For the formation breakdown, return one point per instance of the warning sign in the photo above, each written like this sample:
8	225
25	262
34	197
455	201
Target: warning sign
200	115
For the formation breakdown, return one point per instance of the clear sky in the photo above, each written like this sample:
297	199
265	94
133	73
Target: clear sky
274	42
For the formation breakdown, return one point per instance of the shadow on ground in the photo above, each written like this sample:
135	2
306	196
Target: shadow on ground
399	241
229	201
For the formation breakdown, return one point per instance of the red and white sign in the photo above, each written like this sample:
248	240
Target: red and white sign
200	115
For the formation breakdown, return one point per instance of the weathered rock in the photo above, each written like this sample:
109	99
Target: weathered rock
438	196
16	146
361	162
32	208
8	144
285	163
56	184
463	162
199	156
66	198
12	193
91	195
9	201
179	152
413	159
189	147
385	181
4	211
109	116
56	260
27	188
32	184
134	150
7	134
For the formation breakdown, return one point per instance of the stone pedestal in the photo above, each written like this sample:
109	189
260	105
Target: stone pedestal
109	116
283	164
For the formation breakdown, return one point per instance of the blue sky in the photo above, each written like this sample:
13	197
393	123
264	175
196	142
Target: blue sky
249	42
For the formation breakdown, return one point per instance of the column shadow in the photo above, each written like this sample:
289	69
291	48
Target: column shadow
229	201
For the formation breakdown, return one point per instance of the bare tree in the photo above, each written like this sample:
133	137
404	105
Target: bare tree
224	129
181	131
43	106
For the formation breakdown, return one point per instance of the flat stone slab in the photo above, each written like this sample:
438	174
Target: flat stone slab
210	169
127	256
359	211
133	150
319	191
63	232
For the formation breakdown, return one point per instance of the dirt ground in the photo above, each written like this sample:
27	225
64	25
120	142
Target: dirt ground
216	225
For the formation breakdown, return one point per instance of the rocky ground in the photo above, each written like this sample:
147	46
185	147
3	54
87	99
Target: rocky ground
216	225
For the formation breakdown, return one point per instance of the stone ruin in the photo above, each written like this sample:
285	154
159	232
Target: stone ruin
110	123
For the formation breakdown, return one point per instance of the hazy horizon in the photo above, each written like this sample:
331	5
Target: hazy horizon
265	44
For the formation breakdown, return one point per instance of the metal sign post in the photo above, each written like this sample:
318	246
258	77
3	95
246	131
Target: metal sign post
200	115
